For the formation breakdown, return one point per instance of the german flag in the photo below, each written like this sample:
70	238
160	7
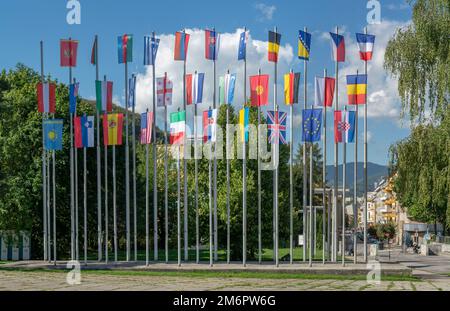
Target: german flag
291	84
274	46
357	89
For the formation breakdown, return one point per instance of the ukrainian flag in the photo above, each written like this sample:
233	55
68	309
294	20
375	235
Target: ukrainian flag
274	46
243	124
357	89
304	44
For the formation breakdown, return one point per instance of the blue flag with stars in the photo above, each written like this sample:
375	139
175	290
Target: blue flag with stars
312	124
53	129
243	46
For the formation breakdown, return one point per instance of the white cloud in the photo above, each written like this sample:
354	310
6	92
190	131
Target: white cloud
397	7
267	11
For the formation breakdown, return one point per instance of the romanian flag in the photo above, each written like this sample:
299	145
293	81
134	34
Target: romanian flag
181	45
259	90
112	129
304	44
291	85
357	89
274	46
68	53
103	92
46	97
125	48
243	124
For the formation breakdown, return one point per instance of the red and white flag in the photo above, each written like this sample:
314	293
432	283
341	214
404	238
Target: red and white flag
46	97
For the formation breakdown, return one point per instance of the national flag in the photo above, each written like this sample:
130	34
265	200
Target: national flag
103	93
151	45
68	53
194	88
344	126
177	127
365	43
209	125
84	131
291	86
276	124
243	123
242	52
53	131
212	44
46	97
181	45
146	127
164	92
338	44
324	91
274	46
132	91
226	88
73	94
125	48
112	129
94	56
304	44
259	90
356	89
312	124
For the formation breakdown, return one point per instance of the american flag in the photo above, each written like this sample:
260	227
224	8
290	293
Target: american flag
276	124
164	92
146	127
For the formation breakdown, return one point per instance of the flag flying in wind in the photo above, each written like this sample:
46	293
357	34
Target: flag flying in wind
304	44
46	97
356	89
338	44
242	52
84	131
274	46
151	45
344	126
276	124
259	90
94	56
226	89
291	85
112	129
164	92
146	127
209	125
125	48
177	127
212	44
324	91
181	45
365	43
194	88
312	124
132	91
68	53
243	124
73	94
103	93
53	130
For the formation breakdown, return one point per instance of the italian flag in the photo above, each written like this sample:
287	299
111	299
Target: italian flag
103	94
177	127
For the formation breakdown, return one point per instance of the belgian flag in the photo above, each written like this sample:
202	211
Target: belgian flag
274	46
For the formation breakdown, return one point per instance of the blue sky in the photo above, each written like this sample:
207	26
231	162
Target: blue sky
24	23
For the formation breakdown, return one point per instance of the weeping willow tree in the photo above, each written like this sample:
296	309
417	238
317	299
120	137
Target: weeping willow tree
419	57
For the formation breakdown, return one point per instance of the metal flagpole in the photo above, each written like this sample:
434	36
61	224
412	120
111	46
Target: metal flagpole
44	165
54	205
365	166
210	207
146	203
244	166
276	196
185	205
178	207
197	229
355	187
291	184
84	204
215	163
305	212
72	187
336	171
49	223
344	184
155	175
275	173
127	167
77	253
133	145
311	198
259	186
228	187
106	187
99	164
324	172
114	202
166	184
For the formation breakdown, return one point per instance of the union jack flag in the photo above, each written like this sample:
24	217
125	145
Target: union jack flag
276	124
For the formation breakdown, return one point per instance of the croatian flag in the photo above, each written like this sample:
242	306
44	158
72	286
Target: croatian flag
209	125
146	127
212	43
344	126
84	131
365	43
194	88
338	44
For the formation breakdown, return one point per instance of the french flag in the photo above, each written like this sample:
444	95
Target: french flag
344	126
338	44
194	88
365	43
46	97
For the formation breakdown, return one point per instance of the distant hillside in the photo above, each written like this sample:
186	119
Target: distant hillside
375	172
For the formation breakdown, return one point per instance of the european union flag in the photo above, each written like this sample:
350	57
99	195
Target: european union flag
312	124
243	46
53	129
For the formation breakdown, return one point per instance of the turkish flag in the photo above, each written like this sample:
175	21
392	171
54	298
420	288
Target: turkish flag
259	89
68	53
